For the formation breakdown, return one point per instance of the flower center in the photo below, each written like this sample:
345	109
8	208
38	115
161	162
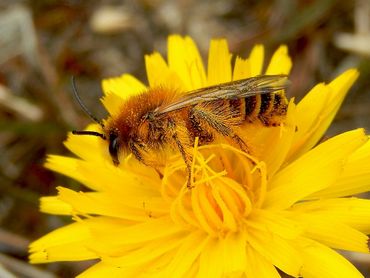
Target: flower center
227	184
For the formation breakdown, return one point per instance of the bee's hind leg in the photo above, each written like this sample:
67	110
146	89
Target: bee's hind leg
240	142
221	125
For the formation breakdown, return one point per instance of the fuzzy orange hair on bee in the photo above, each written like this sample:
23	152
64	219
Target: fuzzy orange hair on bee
162	118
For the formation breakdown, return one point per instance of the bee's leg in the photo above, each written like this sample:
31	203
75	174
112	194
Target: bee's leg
186	157
242	145
219	124
183	143
135	151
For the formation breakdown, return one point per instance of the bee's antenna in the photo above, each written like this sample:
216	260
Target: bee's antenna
88	132
83	106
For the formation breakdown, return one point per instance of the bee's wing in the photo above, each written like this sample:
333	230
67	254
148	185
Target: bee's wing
263	84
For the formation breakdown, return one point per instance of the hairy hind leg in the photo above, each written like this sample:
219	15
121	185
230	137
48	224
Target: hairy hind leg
219	124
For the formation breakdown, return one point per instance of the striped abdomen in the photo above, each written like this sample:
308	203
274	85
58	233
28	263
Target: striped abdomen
266	108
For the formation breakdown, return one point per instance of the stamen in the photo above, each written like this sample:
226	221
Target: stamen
221	200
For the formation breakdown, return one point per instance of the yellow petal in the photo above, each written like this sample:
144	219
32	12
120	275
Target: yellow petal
277	250
89	148
74	168
278	222
66	243
127	233
118	89
234	248
343	83
241	69
160	75
256	59
280	62
146	253
67	252
54	205
124	86
103	269
67	234
313	171
355	177
316	101
321	261
185	60
64	165
212	255
317	109
219	62
191	248
226	255
353	212
332	233
157	69
109	204
108	178
112	102
258	266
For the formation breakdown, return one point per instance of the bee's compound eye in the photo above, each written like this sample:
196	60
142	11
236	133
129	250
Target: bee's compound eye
114	148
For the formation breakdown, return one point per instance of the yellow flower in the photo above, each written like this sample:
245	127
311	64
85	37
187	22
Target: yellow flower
285	206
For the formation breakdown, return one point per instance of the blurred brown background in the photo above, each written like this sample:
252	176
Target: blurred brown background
43	43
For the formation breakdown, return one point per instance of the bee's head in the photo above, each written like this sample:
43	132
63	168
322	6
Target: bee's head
114	145
118	132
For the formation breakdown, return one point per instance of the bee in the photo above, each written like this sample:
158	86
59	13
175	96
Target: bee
162	117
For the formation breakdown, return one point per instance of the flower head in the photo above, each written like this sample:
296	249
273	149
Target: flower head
283	206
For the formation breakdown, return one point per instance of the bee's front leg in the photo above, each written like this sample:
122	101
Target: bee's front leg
140	151
135	150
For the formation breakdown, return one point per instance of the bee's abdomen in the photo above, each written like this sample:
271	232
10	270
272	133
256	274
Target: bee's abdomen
266	108
267	101
252	105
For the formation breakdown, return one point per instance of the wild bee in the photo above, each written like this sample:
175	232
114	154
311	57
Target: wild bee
161	117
